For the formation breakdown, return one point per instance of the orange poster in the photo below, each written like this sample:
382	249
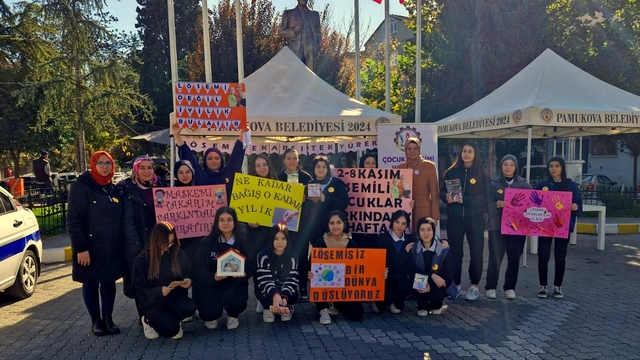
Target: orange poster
347	275
211	106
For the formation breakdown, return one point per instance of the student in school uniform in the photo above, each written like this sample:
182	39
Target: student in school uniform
160	283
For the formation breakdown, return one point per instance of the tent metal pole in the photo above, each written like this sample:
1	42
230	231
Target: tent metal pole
580	153
387	56
356	6
173	57
526	240
206	42
239	45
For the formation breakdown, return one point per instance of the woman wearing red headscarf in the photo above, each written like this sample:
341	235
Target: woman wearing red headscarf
95	208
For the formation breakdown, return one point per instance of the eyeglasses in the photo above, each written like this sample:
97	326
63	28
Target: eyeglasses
104	163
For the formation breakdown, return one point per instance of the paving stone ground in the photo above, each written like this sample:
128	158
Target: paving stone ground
598	319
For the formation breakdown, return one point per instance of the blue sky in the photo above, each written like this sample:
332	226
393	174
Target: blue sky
371	13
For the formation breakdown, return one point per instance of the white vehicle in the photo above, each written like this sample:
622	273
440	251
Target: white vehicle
20	248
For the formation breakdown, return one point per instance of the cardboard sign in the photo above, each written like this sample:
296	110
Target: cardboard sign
267	202
211	106
347	275
190	209
536	213
374	195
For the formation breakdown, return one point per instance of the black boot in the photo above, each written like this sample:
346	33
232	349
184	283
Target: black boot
97	327
111	327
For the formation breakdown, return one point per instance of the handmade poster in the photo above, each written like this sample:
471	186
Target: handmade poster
536	213
230	263
374	195
267	202
347	275
211	106
190	209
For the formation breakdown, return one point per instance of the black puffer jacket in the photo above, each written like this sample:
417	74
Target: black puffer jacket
476	188
137	220
94	223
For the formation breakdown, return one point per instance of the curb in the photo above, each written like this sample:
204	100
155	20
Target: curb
612	229
56	255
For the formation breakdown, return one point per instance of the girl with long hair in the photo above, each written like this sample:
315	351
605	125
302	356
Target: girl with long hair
466	216
160	283
212	292
277	276
96	240
291	161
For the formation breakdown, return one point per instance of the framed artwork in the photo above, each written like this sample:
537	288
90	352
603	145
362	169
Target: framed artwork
231	263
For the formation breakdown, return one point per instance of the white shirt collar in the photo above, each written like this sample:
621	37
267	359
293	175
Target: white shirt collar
231	241
394	237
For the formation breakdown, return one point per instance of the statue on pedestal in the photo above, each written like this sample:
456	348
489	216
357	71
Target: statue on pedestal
301	28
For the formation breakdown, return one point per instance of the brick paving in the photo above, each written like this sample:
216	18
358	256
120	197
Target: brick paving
597	319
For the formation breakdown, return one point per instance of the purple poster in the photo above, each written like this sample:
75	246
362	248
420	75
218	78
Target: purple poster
536	213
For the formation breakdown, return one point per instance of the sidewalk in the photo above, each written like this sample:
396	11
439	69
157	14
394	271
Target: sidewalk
58	248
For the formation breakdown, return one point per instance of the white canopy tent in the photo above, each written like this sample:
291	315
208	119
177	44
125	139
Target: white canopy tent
549	98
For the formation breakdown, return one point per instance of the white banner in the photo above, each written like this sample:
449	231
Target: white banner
225	146
392	138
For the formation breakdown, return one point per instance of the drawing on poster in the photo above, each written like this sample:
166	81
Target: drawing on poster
327	275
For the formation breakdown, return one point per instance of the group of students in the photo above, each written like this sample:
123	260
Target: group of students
158	268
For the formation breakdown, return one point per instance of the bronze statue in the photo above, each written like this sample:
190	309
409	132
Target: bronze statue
301	27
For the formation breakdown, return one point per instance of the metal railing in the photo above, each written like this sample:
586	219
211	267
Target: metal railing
49	206
615	197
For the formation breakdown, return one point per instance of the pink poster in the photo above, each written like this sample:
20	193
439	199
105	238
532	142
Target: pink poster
374	195
536	213
190	209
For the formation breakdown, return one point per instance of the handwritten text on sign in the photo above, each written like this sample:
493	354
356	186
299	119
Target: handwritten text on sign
191	210
374	195
267	202
347	274
536	213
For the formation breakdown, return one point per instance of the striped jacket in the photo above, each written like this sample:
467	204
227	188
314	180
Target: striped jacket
270	280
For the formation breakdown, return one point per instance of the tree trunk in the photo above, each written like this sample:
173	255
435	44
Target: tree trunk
15	156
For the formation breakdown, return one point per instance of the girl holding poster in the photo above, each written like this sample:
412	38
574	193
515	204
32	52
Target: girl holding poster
160	284
557	181
214	293
498	243
336	237
396	242
277	276
213	170
139	214
466	213
258	236
429	258
324	195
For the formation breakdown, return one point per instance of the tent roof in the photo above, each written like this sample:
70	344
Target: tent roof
285	90
555	98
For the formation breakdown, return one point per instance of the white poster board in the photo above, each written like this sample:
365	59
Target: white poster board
392	137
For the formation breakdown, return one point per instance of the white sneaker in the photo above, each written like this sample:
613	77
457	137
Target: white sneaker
333	311
436	311
267	316
472	293
490	294
259	308
179	334
286	317
510	294
395	310
325	317
149	332
232	323
423	313
211	324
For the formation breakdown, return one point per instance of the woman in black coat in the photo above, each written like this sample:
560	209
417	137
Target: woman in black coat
96	240
139	212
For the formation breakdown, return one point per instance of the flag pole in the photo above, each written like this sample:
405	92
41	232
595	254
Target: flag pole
239	44
418	59
173	58
356	6
206	41
387	62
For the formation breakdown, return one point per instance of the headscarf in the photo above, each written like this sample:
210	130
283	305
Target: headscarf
515	161
204	160
177	167
366	156
95	175
144	185
564	182
412	164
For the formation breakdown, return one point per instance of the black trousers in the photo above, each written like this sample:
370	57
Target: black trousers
93	292
473	228
301	250
229	294
431	300
351	310
559	257
267	301
395	292
513	245
165	317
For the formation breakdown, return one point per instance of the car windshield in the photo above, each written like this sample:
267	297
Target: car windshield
587	179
